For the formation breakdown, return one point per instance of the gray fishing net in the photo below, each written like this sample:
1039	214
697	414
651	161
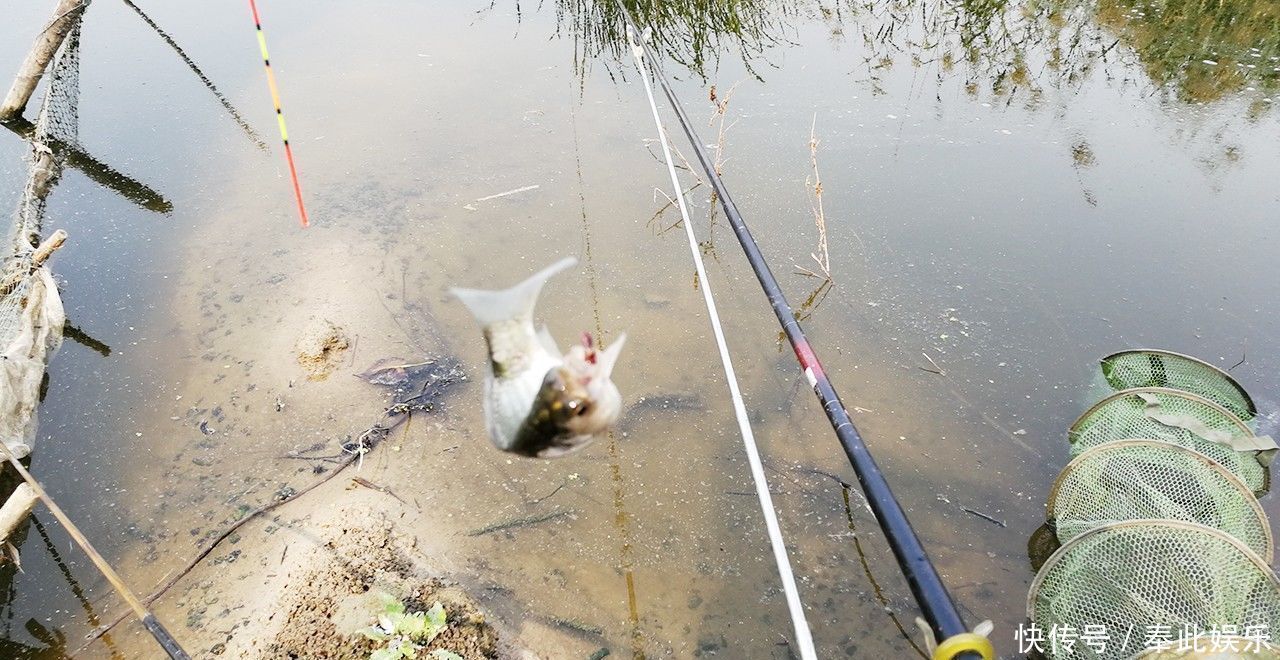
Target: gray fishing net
31	313
1133	575
1176	417
1136	479
58	124
1152	368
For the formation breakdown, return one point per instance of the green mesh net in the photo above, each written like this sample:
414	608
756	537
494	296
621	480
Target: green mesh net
1211	647
1173	416
1147	479
1151	368
1131	575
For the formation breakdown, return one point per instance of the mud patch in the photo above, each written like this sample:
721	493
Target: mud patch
319	347
333	597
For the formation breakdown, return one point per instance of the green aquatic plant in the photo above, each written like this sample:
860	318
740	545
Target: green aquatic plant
406	633
1199	51
1204	50
692	33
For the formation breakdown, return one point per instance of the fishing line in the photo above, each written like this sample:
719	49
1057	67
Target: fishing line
149	621
804	638
275	98
922	577
621	518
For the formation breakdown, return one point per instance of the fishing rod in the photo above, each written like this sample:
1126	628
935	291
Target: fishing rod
149	621
275	98
954	639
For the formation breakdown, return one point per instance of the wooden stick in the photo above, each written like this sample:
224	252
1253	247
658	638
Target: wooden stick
47	43
41	255
16	509
166	641
47	247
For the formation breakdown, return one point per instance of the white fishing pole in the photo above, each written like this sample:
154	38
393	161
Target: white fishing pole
804	638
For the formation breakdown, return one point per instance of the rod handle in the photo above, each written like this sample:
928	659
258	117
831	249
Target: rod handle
167	642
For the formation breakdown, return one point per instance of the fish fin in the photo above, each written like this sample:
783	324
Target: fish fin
548	342
490	307
609	356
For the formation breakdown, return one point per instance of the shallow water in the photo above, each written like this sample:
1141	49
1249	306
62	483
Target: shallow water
1011	220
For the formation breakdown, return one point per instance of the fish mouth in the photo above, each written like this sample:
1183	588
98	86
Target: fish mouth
576	402
589	361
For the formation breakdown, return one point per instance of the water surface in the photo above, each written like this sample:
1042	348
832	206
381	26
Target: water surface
1012	190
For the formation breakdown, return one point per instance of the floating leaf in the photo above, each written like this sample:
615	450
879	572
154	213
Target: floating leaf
441	654
387	371
422	382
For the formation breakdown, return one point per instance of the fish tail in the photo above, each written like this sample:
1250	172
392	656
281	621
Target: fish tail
491	307
609	356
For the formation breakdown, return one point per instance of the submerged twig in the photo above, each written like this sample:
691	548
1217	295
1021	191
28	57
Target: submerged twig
984	516
508	192
525	521
576	626
381	489
371	435
1243	356
936	369
553	492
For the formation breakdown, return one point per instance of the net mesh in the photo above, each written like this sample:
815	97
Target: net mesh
31	312
1150	368
1209	647
1171	416
57	125
1134	574
1144	479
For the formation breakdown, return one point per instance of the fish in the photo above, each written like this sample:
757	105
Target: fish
539	402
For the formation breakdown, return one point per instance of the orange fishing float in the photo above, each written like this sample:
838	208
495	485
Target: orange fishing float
275	98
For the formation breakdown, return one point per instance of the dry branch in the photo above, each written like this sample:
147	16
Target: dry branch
822	257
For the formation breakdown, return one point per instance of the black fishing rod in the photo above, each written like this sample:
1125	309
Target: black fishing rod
926	585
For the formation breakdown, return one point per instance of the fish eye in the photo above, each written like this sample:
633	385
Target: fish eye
582	408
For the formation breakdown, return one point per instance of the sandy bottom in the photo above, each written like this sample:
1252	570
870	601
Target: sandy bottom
263	404
650	547
648	544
